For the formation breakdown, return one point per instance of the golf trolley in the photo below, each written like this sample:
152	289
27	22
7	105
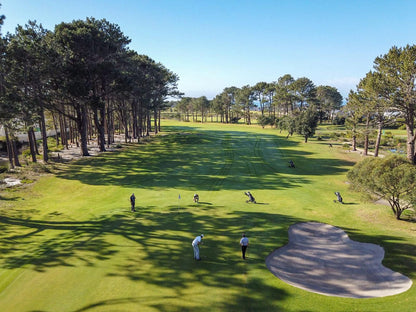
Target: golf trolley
251	199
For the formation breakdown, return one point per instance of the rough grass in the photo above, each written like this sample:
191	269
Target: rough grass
70	243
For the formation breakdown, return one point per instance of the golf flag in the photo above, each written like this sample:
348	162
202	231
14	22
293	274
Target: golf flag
179	196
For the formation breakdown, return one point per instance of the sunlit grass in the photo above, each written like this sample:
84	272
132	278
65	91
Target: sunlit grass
70	243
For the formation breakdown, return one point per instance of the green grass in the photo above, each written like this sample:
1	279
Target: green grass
69	242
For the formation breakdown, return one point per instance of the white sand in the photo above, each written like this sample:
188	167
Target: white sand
321	258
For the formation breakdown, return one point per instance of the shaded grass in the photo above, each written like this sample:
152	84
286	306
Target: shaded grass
69	243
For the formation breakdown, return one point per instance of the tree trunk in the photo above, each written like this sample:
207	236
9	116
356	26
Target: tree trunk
367	125
82	129
110	125
31	144
140	120
35	145
149	123
135	129
126	130
101	128
63	130
158	117
378	139
9	148
354	143
44	135
155	119
56	129
410	142
99	124
365	152
15	154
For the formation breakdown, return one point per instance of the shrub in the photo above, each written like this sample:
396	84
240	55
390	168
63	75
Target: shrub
235	119
266	120
40	168
334	135
397	141
338	120
26	153
402	127
377	176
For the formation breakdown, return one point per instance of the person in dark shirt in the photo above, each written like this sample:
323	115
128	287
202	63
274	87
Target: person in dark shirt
133	202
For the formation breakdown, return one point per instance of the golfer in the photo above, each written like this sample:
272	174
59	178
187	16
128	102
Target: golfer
196	242
133	202
244	245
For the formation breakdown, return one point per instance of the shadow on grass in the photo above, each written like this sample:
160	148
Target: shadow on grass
161	244
7	198
399	256
205	160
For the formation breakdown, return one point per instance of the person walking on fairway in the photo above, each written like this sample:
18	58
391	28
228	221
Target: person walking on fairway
133	202
195	244
244	245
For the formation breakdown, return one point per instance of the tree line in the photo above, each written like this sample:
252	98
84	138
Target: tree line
286	96
295	105
386	95
83	78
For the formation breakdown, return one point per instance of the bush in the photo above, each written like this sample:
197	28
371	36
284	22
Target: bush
397	141
26	153
376	176
267	120
40	168
334	135
234	120
338	120
402	127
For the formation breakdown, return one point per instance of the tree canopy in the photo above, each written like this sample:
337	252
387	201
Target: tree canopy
83	76
392	178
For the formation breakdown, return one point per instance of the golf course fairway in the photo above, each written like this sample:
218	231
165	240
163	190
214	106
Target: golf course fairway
69	242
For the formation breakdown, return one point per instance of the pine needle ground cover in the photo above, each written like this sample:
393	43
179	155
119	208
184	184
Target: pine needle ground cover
70	243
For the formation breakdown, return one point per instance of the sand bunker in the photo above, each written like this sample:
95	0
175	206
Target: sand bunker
322	259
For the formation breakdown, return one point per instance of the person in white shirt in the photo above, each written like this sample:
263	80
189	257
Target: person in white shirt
195	244
196	198
244	245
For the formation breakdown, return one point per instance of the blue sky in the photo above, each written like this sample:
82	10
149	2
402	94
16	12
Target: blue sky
214	44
